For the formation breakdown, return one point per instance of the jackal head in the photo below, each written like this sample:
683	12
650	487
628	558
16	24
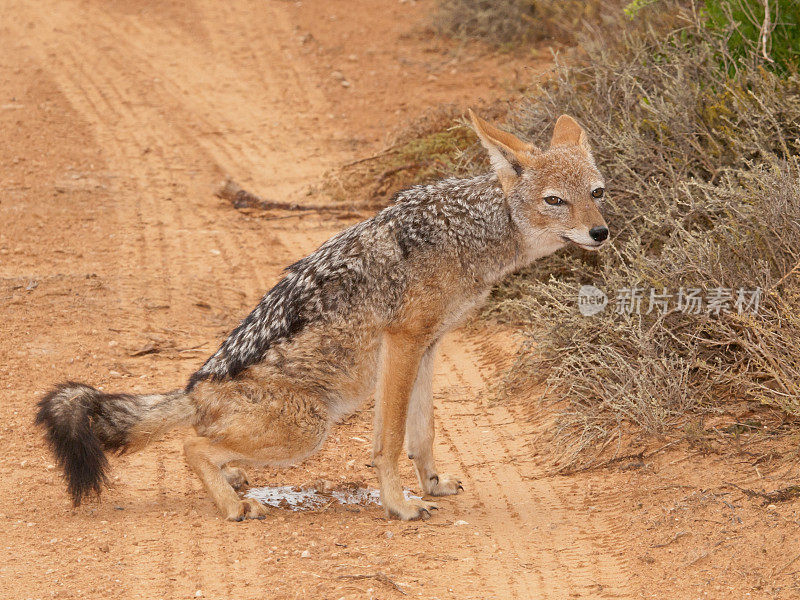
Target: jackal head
554	196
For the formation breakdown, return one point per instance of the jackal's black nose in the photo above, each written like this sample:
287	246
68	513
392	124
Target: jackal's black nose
598	234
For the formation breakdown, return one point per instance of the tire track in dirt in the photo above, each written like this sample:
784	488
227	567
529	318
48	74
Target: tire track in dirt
230	119
554	554
147	185
93	101
201	566
124	112
605	533
149	244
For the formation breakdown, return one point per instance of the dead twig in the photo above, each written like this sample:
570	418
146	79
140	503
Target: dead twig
702	555
786	566
766	30
377	576
241	198
193	348
375	156
790	272
671	540
781	495
149	348
639	456
389	172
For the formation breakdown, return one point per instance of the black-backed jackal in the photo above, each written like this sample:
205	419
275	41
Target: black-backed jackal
364	313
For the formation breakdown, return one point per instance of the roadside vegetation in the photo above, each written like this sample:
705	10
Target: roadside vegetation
694	114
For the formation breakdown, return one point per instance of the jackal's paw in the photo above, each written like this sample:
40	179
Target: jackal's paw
443	485
236	477
410	510
247	508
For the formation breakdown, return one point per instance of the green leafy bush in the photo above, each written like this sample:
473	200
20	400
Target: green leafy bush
775	38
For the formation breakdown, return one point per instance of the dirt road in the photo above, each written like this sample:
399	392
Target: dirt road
119	267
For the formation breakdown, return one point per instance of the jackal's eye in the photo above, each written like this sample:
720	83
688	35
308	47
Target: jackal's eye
598	192
553	200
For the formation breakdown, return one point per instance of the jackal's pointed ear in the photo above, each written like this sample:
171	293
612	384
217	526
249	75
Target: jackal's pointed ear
508	153
567	132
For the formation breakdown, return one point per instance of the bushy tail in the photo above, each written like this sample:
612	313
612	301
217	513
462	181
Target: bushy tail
82	423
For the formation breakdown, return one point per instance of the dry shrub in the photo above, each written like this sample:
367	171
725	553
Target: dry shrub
437	144
508	24
698	149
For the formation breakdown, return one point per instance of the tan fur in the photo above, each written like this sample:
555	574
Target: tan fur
420	432
568	133
498	143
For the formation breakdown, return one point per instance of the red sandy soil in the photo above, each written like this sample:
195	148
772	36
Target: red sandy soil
119	267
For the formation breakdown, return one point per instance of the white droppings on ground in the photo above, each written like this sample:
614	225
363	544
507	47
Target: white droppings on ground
307	498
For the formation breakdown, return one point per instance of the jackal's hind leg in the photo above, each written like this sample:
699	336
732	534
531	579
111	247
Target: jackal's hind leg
207	459
264	422
236	476
420	433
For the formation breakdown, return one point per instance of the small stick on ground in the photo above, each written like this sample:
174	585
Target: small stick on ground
786	566
781	495
702	555
378	576
674	538
379	154
241	198
639	456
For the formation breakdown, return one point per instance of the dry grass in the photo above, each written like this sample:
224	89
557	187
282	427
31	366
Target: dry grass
697	137
514	24
699	151
435	145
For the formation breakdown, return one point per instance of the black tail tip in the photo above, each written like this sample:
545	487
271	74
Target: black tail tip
65	414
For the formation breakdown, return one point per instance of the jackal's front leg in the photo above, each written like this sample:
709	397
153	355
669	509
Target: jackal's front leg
402	355
420	432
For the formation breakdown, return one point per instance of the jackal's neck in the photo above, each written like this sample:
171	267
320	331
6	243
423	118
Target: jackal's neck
501	241
491	244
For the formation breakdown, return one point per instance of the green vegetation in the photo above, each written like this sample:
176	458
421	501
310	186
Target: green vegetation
754	33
